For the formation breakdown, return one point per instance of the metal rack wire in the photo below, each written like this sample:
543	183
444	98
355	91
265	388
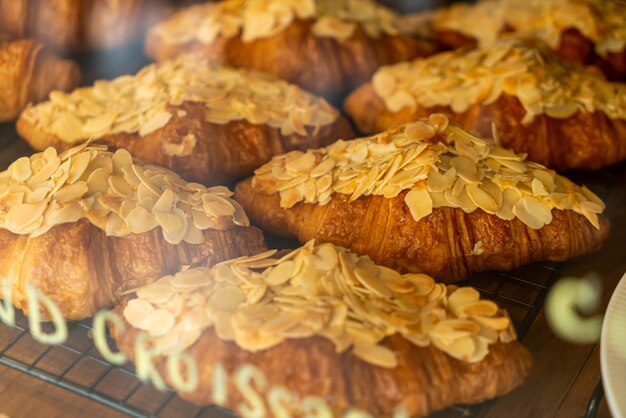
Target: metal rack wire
77	366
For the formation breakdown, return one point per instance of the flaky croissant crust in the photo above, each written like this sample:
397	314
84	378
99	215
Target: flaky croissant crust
441	244
221	153
583	141
425	380
77	25
322	65
82	270
28	73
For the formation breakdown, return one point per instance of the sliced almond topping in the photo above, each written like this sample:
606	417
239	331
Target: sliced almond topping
377	355
465	168
532	212
346	302
462	172
21	169
227	299
158	120
372	283
419	131
481	198
146	102
136	311
21	216
384	83
71	192
99	125
158	322
419	203
280	274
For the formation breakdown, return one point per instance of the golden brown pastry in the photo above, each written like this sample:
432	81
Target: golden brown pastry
326	323
560	115
88	224
325	46
210	125
28	73
76	25
426	197
581	31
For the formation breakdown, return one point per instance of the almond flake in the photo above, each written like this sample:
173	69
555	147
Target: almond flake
419	203
377	355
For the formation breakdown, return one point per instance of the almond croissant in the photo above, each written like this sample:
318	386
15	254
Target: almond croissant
210	125
28	73
326	323
86	225
580	31
560	115
325	46
426	197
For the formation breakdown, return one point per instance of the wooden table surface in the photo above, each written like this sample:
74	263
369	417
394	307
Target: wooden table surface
560	385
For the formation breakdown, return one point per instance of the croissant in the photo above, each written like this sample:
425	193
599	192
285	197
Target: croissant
322	328
77	25
87	225
580	31
210	125
28	73
560	115
327	47
426	197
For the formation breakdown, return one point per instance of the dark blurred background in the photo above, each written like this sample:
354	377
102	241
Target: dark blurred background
410	6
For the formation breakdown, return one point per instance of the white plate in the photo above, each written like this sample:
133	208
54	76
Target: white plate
613	351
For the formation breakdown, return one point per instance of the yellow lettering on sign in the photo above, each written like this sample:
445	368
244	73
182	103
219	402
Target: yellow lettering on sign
144	359
315	407
401	412
357	413
220	385
37	300
175	364
253	406
100	339
281	402
7	311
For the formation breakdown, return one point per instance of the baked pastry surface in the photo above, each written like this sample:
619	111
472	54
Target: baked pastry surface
324	322
28	74
581	31
86	225
561	115
426	197
77	25
210	125
325	46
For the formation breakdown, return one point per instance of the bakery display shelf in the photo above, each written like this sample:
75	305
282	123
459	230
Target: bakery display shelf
78	367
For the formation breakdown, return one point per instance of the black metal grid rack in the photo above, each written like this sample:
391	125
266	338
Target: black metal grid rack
78	367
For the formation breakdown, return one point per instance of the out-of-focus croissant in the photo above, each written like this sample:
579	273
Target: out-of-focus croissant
580	31
28	73
426	197
76	25
210	125
327	47
87	225
324	324
561	115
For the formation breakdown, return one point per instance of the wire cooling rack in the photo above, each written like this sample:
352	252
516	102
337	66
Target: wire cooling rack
78	367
